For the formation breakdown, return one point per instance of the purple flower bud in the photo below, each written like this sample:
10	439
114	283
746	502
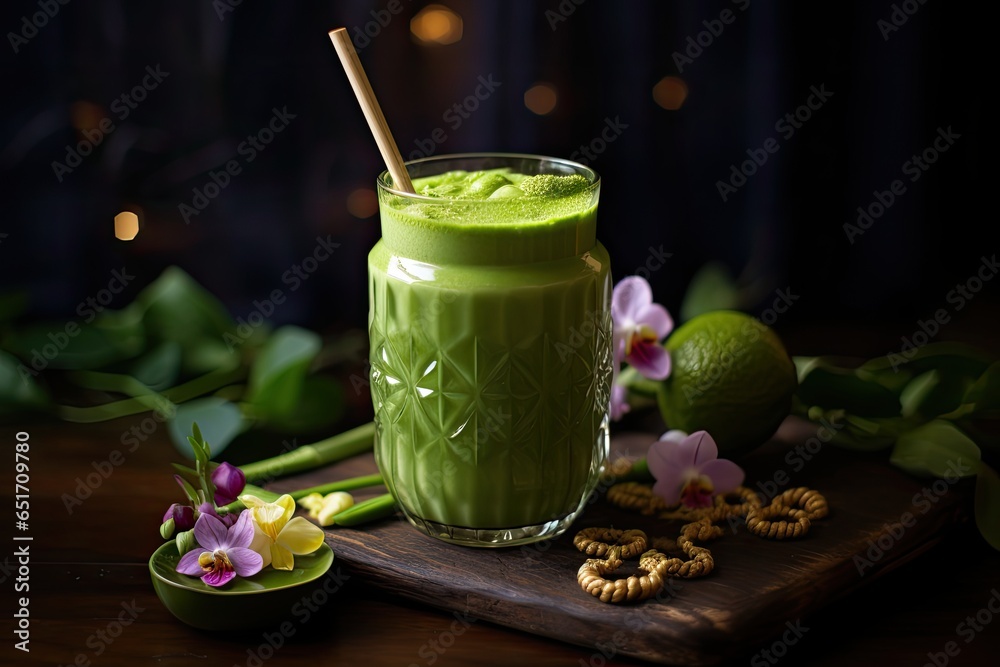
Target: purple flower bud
229	482
227	519
183	516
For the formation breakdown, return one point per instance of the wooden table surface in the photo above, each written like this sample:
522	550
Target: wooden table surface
91	601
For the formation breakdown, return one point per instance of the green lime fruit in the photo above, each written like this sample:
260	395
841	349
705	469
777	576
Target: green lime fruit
731	376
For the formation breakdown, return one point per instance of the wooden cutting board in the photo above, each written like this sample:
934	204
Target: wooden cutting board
879	518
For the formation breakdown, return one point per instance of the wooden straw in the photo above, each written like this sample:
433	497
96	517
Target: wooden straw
369	105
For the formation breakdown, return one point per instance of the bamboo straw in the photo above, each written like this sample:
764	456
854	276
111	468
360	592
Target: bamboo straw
370	106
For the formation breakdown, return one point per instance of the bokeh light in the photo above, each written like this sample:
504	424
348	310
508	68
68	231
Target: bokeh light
436	24
362	203
541	98
126	226
670	92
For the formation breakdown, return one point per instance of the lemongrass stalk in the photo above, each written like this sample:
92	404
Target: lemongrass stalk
350	484
307	457
340	485
144	403
366	511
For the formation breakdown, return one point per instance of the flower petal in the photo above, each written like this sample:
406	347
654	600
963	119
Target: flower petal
702	446
188	564
270	518
301	537
628	297
669	490
218	577
245	562
210	532
650	359
725	475
619	402
241	533
673	435
281	558
666	465
251	501
657	318
261	544
229	482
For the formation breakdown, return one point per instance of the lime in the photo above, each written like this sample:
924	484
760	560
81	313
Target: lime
731	376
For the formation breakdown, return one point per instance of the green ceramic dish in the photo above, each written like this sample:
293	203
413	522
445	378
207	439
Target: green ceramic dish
258	602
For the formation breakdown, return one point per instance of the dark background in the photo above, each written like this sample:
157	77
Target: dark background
782	230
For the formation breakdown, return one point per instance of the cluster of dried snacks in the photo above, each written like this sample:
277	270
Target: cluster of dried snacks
797	508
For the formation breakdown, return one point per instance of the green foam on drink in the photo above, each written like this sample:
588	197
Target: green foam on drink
497	196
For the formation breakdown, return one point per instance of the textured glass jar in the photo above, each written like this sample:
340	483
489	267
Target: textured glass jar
491	359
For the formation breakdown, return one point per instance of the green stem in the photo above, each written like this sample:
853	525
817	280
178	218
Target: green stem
323	489
637	384
307	457
372	509
340	485
137	404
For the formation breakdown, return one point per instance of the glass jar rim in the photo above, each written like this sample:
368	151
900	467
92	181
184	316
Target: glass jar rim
384	178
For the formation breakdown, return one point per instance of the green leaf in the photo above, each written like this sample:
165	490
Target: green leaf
711	288
176	308
159	368
944	397
988	505
984	394
18	388
276	378
189	491
837	388
320	404
204	354
67	345
947	357
937	449
916	392
220	422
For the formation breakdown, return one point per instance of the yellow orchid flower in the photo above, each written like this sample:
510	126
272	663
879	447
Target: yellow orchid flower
278	536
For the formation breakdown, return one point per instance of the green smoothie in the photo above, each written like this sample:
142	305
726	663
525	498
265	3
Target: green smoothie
490	337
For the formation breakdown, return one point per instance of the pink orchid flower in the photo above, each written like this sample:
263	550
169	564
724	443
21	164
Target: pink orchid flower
639	325
223	553
688	470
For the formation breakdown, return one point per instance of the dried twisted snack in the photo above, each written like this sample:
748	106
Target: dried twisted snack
602	541
798	507
631	589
